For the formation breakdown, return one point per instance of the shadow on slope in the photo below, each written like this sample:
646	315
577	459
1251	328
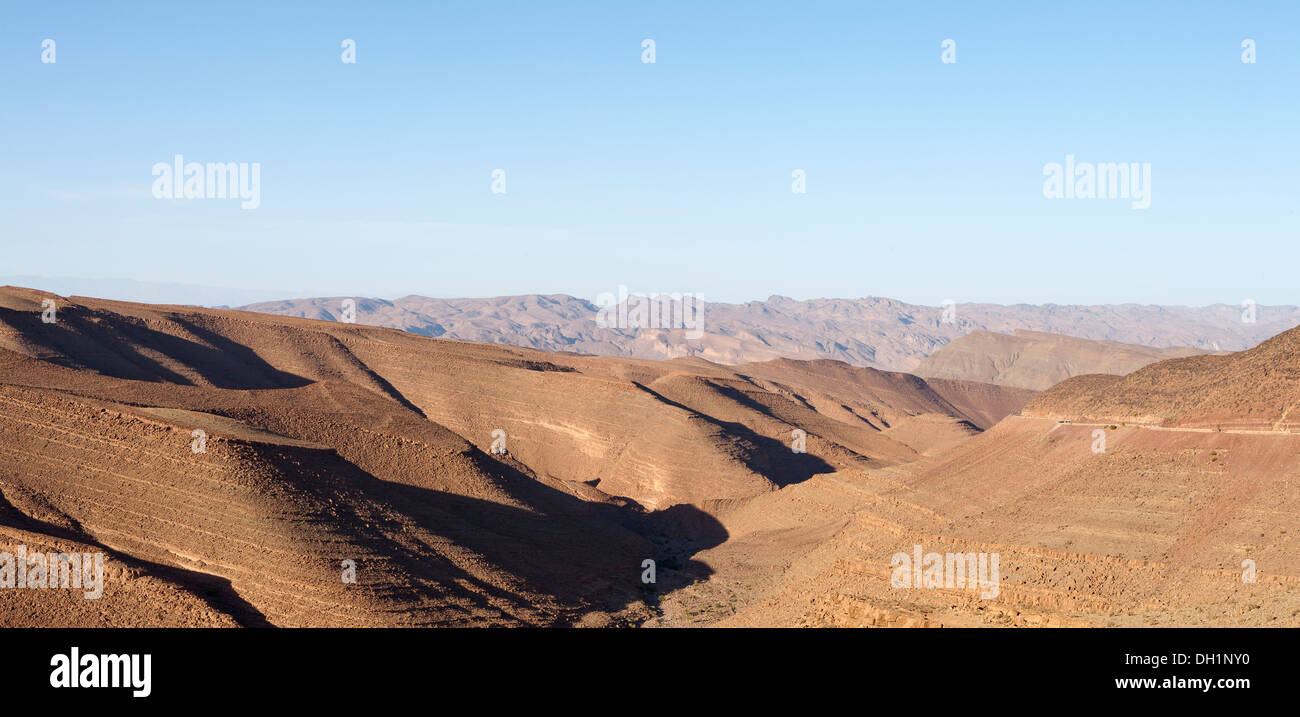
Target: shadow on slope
109	343
772	459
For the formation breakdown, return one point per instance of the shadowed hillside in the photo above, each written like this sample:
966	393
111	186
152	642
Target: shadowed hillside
328	442
481	484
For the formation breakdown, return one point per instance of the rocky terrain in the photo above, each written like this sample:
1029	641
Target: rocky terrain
475	484
1256	389
327	442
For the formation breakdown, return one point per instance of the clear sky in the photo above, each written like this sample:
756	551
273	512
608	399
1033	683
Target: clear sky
924	179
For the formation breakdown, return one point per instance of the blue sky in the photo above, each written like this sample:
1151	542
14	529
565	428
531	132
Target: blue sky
924	179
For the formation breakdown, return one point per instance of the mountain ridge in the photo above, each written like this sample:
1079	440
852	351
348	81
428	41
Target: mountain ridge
876	332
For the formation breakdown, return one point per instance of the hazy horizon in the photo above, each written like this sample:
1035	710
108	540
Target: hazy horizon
163	292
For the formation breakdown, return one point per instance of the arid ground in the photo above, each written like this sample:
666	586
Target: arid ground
230	463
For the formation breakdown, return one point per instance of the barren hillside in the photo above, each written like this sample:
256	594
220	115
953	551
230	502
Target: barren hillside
1095	521
328	442
1155	530
1037	360
481	484
1254	389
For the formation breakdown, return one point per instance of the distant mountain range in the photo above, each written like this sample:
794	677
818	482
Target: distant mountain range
874	332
